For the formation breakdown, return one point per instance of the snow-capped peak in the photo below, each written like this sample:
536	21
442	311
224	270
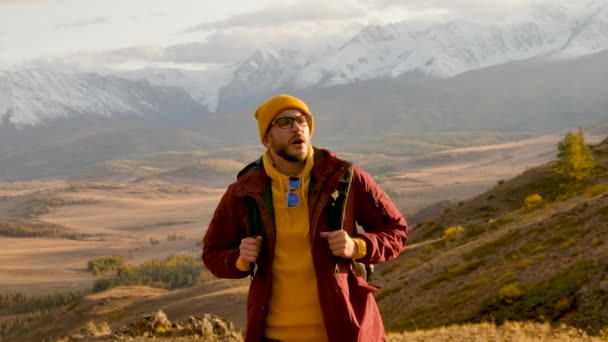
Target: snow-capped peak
33	97
424	47
456	46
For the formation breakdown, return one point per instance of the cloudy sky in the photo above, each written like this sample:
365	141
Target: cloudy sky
196	33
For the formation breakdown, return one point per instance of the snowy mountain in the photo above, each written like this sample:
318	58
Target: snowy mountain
203	85
451	48
34	97
264	72
439	50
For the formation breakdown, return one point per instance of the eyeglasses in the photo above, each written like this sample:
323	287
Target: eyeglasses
293	200
286	122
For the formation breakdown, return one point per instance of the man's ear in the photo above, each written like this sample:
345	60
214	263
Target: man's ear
266	141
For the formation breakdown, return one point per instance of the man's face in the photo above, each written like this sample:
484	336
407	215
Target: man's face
289	135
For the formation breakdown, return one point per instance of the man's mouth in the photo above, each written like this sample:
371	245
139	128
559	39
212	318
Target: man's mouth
297	141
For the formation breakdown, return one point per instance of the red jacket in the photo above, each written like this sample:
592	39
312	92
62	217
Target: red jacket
349	309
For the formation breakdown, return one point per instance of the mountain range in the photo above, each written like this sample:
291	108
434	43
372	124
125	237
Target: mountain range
437	50
544	73
428	50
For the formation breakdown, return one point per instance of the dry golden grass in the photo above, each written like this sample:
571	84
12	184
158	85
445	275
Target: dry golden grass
120	297
486	332
117	220
98	329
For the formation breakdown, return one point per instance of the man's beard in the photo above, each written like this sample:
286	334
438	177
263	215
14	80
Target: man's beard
281	151
283	154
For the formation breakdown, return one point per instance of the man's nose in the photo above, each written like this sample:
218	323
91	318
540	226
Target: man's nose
298	126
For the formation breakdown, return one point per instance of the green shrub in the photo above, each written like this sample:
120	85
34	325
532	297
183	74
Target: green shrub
598	189
170	273
545	301
474	229
509	292
477	283
105	264
431	230
18	229
533	201
453	233
507	276
465	268
18	303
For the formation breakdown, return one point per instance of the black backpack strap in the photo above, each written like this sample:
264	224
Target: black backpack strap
254	226
254	220
336	213
337	204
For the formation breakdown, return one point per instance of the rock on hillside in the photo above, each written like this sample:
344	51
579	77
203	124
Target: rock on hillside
134	313
157	326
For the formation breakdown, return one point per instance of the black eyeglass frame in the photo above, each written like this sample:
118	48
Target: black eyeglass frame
286	122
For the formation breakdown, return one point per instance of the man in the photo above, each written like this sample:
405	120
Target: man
304	287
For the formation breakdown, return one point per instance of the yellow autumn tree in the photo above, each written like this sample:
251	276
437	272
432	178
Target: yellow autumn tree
575	161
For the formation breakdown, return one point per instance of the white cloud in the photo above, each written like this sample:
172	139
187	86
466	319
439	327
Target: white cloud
222	47
217	49
479	10
307	26
286	14
21	2
82	23
201	32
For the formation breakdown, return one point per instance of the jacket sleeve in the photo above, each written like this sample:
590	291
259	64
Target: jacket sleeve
223	237
386	231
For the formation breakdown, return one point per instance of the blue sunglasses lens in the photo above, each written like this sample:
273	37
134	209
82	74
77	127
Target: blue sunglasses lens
294	183
292	200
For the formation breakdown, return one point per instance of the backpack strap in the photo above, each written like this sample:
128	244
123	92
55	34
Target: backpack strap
254	221
335	215
255	226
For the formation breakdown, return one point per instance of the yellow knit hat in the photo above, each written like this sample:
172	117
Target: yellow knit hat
269	109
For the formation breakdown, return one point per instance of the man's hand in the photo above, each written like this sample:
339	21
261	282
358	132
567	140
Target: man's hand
340	243
250	248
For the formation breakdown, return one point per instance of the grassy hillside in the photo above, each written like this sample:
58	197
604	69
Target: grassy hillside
499	258
171	164
209	173
495	258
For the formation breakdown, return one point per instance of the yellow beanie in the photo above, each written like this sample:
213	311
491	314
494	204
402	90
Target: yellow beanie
269	109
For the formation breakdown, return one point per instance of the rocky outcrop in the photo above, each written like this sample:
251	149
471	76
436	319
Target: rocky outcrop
157	326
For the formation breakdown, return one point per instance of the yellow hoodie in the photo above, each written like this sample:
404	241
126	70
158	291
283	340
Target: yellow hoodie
294	309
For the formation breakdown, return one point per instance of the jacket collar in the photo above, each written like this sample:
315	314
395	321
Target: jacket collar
252	179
